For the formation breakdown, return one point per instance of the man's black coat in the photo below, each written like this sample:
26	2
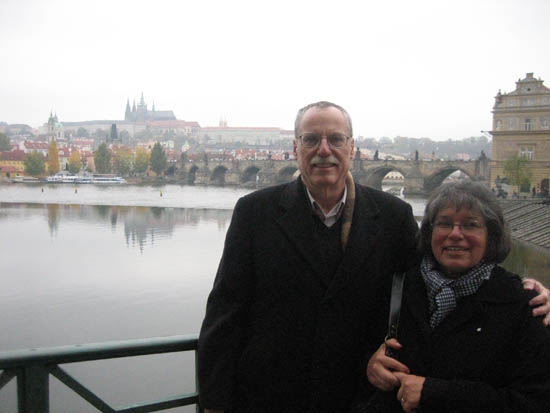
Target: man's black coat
279	335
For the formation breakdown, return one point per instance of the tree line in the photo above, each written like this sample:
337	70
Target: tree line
122	161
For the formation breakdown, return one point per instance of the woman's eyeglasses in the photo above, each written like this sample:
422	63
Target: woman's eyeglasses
467	228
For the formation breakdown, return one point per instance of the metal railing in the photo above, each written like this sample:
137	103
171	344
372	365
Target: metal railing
33	367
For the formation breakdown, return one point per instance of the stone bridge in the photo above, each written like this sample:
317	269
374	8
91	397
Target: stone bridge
420	177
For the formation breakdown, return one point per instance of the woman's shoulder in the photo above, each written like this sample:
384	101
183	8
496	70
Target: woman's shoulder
505	286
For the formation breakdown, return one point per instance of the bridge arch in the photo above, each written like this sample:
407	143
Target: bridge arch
218	175
192	174
376	175
432	181
250	174
286	174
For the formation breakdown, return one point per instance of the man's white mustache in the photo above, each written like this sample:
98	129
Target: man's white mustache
320	160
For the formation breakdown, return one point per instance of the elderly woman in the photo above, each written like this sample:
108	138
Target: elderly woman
467	341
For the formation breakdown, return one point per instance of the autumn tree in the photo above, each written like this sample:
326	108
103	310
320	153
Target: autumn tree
53	158
102	159
158	159
141	161
518	172
34	164
74	162
122	161
4	143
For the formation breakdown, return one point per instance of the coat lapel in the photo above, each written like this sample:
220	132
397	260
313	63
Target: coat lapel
473	305
416	301
297	224
361	242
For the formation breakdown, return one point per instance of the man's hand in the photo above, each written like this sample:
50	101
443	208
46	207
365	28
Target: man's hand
410	391
381	368
541	302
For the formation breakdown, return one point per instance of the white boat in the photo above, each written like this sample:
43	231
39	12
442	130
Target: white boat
101	179
62	179
25	179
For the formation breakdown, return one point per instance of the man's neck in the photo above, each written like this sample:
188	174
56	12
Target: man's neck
327	197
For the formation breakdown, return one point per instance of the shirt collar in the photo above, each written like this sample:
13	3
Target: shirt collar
332	216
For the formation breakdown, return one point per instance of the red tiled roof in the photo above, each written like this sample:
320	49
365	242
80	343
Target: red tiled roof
251	128
18	155
36	145
9	168
173	123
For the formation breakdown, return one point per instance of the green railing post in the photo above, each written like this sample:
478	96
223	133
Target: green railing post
198	407
33	389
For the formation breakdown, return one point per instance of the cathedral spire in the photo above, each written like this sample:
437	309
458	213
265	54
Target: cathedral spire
128	111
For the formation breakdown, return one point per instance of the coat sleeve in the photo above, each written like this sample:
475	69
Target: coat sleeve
528	375
224	327
408	241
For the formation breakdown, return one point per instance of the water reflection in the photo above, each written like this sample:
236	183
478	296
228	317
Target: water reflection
53	219
142	225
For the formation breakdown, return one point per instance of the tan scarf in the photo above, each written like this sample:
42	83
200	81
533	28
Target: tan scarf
347	213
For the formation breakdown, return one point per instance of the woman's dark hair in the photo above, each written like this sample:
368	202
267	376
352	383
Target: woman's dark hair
478	198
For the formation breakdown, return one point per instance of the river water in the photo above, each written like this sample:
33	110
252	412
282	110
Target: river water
91	264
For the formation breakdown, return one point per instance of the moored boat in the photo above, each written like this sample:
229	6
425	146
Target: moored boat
63	178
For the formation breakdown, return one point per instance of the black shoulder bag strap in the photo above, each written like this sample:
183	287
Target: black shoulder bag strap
395	310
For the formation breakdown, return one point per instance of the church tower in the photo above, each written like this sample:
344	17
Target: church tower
128	112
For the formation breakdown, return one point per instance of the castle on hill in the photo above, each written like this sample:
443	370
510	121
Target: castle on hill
140	113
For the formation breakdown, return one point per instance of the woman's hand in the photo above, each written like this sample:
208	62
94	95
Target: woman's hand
381	368
541	302
410	390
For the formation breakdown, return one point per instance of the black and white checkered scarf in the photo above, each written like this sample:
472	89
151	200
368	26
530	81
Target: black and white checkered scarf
443	292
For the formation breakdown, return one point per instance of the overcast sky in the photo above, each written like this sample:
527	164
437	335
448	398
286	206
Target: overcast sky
401	68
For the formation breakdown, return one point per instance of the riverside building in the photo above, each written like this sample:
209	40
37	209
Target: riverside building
521	126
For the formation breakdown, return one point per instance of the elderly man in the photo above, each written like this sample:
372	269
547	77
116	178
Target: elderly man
296	307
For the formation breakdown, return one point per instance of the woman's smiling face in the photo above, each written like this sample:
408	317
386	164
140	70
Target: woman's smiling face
459	239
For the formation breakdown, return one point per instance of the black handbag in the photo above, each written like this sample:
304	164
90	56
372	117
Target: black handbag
377	402
395	310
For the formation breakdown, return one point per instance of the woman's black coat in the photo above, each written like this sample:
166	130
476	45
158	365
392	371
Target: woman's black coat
489	355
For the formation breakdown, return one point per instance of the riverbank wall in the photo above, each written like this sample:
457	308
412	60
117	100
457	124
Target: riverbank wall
529	220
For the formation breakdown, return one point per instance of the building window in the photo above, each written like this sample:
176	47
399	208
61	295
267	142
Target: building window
545	122
527	124
511	124
527	152
499	125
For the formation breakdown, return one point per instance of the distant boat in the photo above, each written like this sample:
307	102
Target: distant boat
101	179
25	179
61	178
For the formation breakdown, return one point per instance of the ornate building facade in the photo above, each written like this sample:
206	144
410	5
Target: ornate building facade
54	128
521	127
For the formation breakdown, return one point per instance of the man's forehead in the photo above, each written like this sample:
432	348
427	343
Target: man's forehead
330	113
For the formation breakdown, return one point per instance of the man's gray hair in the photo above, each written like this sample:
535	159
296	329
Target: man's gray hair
321	105
475	197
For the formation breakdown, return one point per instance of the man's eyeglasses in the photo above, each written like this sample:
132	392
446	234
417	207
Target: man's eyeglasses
313	140
467	228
